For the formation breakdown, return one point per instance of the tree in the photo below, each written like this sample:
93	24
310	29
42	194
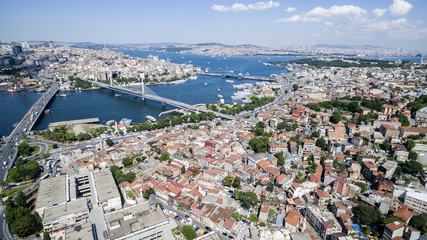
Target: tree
159	204
365	215
280	158
419	222
259	145
413	155
24	226
196	172
109	142
46	236
412	167
410	144
335	118
21	200
236	182
295	87
363	186
228	180
127	161
391	219
321	142
249	199
270	186
262	224
164	156
182	169
315	134
189	232
24	149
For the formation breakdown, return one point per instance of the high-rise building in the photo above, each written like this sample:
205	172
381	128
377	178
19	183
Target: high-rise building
51	44
16	50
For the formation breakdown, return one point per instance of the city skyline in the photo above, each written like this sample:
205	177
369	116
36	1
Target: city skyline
388	23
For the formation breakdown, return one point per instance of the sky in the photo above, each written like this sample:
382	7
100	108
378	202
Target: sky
276	23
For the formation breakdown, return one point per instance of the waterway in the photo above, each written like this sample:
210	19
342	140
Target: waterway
104	105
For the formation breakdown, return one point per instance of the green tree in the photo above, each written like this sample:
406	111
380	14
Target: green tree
159	204
46	236
410	144
189	232
321	143
365	215
259	145
24	149
21	200
23	227
249	199
109	142
262	224
164	156
413	155
419	222
127	161
363	186
270	187
335	118
295	87
236	182
228	181
392	218
280	158
182	169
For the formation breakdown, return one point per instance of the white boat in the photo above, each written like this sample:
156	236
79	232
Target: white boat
229	81
220	96
219	90
150	118
205	83
117	95
193	77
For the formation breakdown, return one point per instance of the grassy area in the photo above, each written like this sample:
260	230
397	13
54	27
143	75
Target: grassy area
12	192
35	149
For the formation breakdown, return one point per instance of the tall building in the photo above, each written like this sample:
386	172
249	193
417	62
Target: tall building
51	44
16	50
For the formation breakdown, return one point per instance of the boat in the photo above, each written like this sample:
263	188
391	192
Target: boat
47	111
193	77
150	118
219	90
117	95
205	83
63	95
220	96
229	81
13	90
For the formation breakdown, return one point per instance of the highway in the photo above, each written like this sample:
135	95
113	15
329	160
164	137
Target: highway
8	151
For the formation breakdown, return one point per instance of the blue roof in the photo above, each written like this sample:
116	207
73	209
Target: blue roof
357	228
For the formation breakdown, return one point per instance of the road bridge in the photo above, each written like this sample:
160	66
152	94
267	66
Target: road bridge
143	95
9	151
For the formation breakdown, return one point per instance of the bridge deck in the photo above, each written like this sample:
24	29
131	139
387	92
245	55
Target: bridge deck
168	101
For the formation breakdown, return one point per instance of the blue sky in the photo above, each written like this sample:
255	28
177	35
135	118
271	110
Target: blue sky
390	23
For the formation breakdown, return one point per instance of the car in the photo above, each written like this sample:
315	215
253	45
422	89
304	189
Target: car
230	237
208	228
196	229
225	234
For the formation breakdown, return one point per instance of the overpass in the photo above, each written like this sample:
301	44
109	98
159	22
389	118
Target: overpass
143	95
239	76
9	150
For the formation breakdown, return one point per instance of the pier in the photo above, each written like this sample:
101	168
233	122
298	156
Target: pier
73	122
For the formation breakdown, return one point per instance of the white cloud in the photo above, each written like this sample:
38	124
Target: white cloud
400	7
297	18
344	10
290	9
379	12
328	23
240	7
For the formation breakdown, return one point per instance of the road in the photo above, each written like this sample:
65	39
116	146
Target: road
8	151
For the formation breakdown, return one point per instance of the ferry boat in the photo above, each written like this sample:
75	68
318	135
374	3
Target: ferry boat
229	81
63	95
47	111
13	90
150	118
